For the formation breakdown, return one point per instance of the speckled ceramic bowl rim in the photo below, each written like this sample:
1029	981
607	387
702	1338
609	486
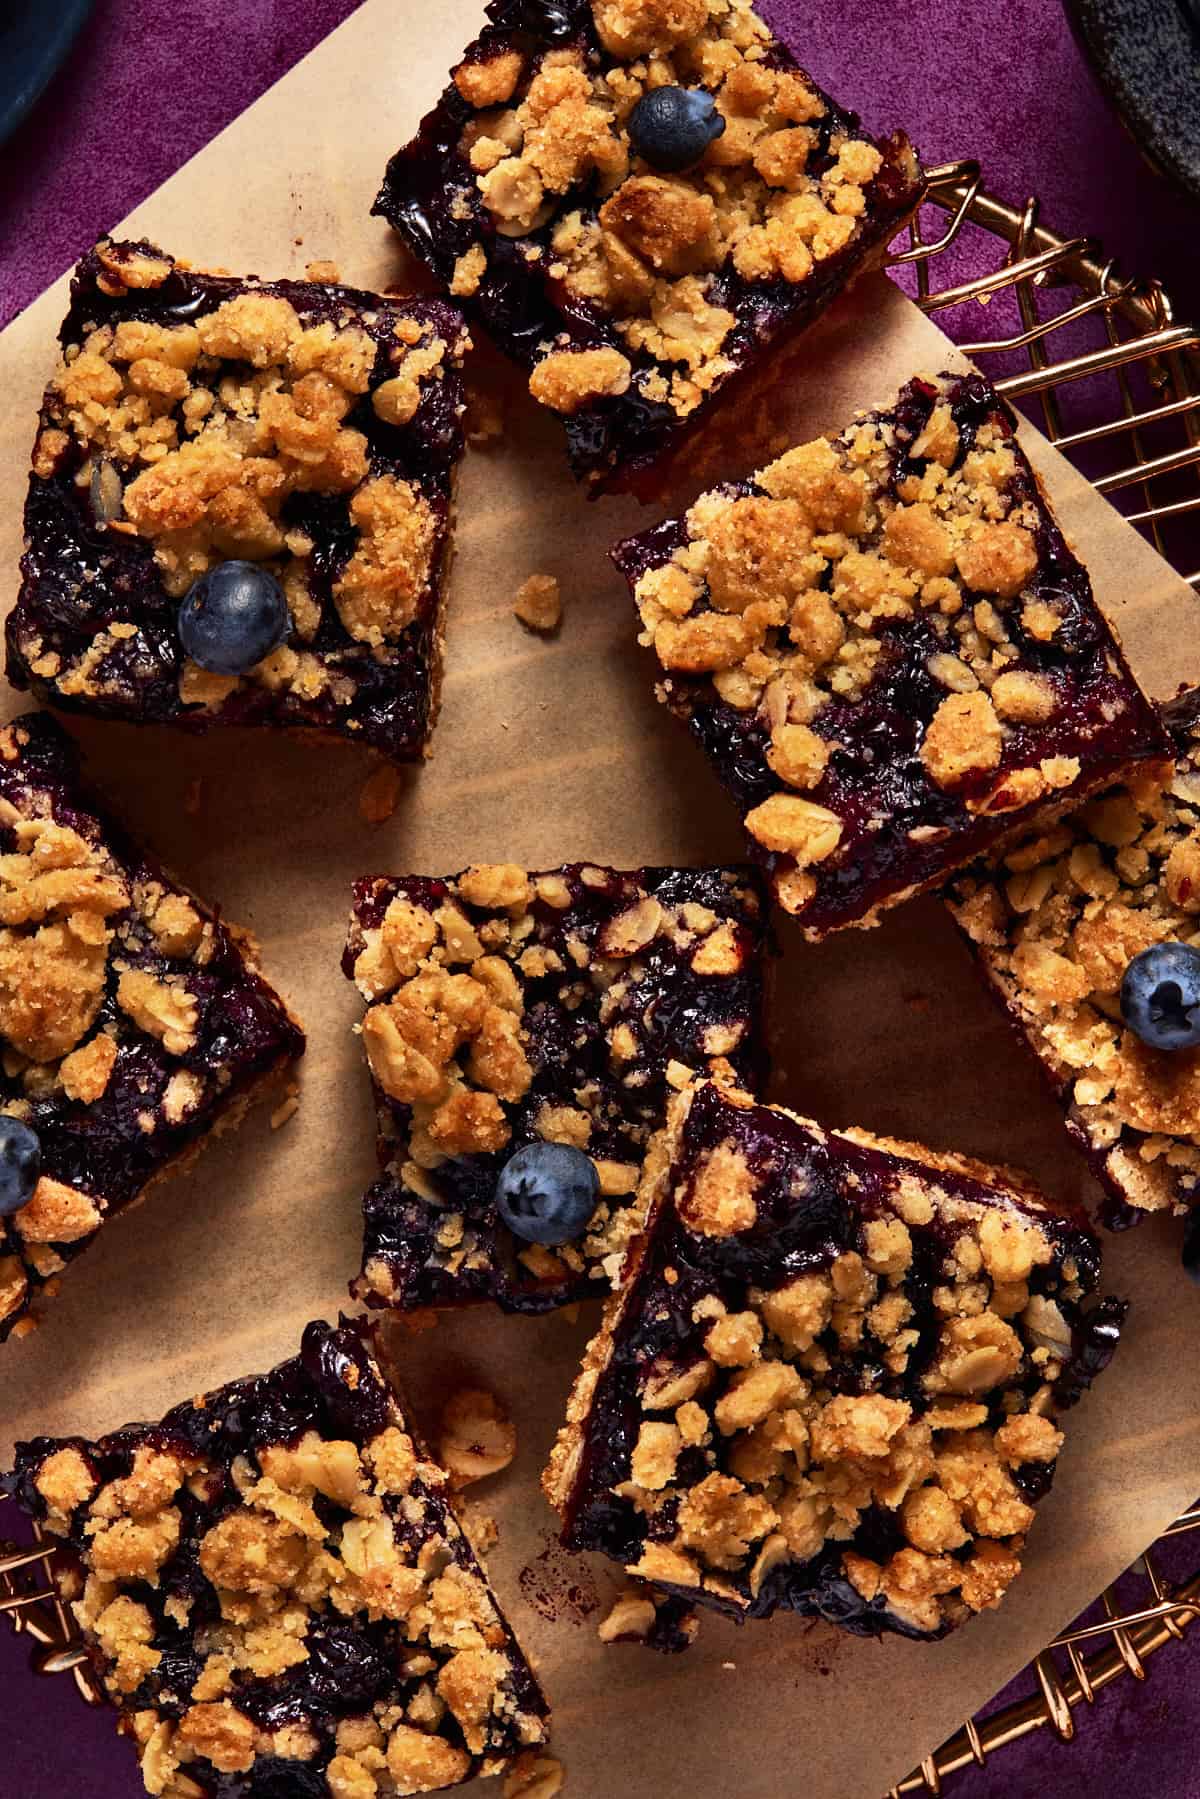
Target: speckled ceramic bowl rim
57	24
1146	58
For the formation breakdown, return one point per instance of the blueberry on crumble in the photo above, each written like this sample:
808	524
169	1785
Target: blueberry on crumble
133	1020
1160	996
512	1017
832	1380
20	1164
640	199
200	425
277	1594
672	127
547	1193
232	617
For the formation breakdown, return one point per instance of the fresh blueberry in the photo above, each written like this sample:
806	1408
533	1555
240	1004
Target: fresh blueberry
672	127
1160	996
547	1192
232	617
1190	1254
20	1164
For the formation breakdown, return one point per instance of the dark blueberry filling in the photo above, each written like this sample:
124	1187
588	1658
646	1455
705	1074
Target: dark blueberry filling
429	196
352	1661
876	781
842	1185
77	577
242	1029
673	1008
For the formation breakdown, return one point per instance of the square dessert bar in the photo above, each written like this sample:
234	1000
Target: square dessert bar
888	651
831	1379
277	1595
194	420
633	263
1055	925
133	1021
510	1009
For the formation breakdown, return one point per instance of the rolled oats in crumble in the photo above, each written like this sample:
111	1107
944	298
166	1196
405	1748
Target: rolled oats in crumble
631	294
1054	924
832	1380
305	427
278	1595
133	1021
507	1008
888	651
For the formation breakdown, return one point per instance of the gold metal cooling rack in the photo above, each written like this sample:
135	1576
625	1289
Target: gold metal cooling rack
1103	368
1108	374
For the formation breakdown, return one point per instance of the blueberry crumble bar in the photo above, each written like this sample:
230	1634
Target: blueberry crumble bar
888	651
1070	928
638	199
239	511
277	1594
831	1380
524	1032
133	1021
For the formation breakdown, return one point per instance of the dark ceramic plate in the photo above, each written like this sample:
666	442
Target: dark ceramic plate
35	36
1146	56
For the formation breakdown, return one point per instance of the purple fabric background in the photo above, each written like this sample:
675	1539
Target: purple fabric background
151	81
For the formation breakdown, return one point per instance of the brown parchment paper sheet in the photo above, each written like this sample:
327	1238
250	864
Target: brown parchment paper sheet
549	751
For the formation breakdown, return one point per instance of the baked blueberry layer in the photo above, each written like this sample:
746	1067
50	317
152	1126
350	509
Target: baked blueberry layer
276	1593
133	1021
301	433
888	651
510	1012
1056	924
831	1380
632	261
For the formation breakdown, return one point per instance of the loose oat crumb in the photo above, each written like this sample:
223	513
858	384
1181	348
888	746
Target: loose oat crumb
287	1108
539	603
380	794
534	1776
476	1437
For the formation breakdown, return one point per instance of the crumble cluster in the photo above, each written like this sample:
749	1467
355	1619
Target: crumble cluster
286	1594
112	988
507	1007
236	420
901	569
1056	924
611	281
646	254
830	1381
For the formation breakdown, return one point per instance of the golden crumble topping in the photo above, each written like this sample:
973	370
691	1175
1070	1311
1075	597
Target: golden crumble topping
225	432
790	608
474	983
1056	922
312	1545
100	965
784	189
539	603
770	1420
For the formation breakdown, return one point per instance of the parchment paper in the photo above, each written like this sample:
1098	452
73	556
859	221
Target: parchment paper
547	752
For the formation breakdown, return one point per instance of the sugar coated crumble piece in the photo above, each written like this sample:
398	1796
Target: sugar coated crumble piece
508	1010
1055	923
832	1380
630	274
278	1595
200	426
889	652
133	1019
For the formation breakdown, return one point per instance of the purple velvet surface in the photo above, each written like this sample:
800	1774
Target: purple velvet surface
149	84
